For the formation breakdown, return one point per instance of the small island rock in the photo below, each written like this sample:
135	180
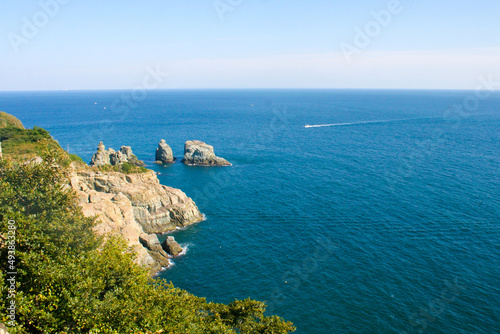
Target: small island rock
164	153
197	153
171	246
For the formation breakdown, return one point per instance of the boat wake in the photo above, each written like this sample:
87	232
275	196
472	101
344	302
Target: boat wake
370	122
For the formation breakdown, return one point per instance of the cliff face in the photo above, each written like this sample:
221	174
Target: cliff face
132	205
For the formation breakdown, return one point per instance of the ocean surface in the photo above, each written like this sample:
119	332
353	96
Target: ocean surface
385	220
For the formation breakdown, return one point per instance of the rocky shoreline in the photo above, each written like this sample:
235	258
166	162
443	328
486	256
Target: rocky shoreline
137	207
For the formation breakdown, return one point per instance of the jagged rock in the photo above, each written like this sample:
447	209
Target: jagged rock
100	158
197	153
131	205
127	151
164	153
130	157
151	242
171	246
111	157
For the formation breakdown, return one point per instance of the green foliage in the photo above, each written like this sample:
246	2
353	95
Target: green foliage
71	281
76	158
125	168
17	135
21	144
9	120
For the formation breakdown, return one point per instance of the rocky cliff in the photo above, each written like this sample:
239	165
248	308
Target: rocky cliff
133	205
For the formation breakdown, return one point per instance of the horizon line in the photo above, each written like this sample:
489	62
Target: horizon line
236	89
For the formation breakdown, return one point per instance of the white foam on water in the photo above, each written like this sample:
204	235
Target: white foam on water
370	122
185	248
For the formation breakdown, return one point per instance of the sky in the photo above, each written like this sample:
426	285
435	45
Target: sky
211	44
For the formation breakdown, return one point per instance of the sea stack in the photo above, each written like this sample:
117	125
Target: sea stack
164	153
171	246
111	157
197	153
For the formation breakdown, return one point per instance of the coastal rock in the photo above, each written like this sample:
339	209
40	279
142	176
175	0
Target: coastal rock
127	151
105	157
131	205
171	246
164	153
151	242
197	153
101	158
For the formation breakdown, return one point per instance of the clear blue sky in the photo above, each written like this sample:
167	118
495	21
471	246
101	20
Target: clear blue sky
109	44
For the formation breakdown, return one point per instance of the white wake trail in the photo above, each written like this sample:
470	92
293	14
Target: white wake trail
370	122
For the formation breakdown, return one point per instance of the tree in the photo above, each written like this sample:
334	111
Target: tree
71	281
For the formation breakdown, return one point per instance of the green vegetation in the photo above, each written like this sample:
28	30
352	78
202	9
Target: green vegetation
22	144
125	168
9	120
71	281
76	158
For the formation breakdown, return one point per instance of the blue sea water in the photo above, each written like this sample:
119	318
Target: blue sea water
386	224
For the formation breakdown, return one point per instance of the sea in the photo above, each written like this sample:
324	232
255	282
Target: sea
381	216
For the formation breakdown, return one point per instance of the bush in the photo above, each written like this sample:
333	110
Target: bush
71	281
22	144
76	158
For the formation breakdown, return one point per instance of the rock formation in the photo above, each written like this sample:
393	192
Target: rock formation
197	153
133	205
151	242
164	153
171	246
111	157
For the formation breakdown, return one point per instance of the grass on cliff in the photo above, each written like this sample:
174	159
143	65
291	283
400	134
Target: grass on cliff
9	120
22	144
71	281
125	168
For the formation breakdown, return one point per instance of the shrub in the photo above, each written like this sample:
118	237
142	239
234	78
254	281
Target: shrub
71	281
76	158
